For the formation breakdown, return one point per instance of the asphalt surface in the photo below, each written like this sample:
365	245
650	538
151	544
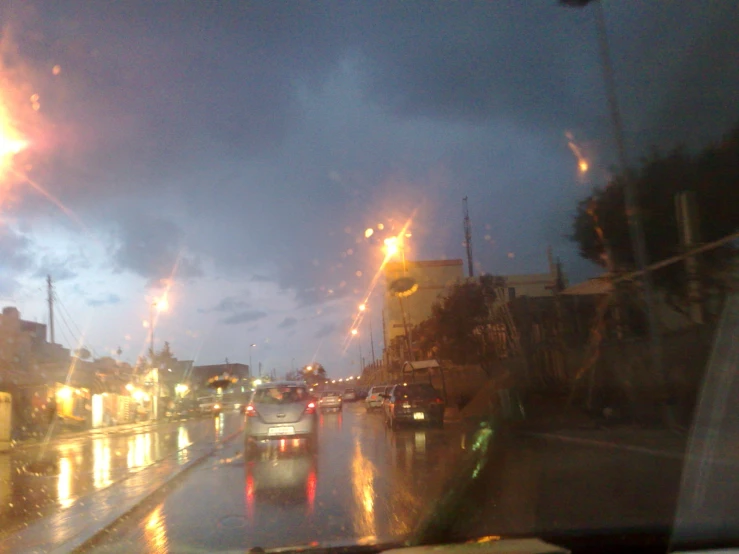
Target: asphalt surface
39	479
365	483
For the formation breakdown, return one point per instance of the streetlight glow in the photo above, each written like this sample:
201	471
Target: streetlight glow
354	331
362	307
391	246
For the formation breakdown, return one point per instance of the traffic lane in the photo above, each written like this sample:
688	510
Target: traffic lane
539	486
363	483
76	467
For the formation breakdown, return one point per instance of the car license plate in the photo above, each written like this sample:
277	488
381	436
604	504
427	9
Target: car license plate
418	415
280	431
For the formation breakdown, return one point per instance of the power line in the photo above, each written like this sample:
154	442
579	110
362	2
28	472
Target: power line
61	304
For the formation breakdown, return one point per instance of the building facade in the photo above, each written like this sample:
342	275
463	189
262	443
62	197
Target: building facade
434	279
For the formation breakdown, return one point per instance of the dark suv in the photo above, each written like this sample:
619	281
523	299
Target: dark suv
413	403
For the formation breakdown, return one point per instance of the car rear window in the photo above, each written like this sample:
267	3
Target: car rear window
416	391
329	393
280	395
348	390
379	390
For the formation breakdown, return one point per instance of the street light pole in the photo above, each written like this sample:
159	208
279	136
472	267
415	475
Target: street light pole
151	329
251	345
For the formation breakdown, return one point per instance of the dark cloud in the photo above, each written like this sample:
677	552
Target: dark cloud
241	142
325	330
152	247
227	304
107	300
288	322
244	317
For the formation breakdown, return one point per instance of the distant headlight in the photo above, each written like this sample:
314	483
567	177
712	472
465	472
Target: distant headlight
216	406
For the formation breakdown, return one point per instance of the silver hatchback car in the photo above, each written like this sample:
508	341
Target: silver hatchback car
280	410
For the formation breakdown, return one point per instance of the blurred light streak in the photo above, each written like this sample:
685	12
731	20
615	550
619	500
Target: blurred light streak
375	279
54	200
582	162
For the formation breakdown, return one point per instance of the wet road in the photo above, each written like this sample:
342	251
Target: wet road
81	464
368	484
365	483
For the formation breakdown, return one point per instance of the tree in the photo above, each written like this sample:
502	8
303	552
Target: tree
711	174
458	325
164	358
316	372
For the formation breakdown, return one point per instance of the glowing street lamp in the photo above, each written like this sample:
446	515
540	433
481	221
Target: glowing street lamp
362	307
392	246
354	332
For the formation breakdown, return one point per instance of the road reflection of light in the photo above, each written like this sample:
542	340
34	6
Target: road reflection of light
310	490
420	441
101	463
155	531
283	445
183	441
139	450
363	474
249	493
64	484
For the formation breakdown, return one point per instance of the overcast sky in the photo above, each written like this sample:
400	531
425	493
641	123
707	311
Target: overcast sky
235	153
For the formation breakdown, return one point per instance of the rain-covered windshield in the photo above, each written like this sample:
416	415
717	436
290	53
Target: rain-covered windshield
230	229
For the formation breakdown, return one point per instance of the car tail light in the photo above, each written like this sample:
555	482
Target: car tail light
310	408
439	401
251	410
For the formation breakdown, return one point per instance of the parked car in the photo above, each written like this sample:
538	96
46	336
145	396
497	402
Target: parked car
278	410
413	403
330	400
187	408
375	398
350	395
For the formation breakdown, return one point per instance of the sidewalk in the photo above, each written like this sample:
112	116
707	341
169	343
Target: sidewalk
65	434
67	530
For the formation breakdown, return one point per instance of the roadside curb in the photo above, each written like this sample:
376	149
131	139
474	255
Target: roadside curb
30	443
73	528
89	536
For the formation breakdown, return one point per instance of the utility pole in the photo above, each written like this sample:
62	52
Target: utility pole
633	214
372	342
468	239
359	345
50	289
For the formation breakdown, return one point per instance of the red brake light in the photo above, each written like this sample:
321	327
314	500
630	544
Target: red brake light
439	401
251	410
311	408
